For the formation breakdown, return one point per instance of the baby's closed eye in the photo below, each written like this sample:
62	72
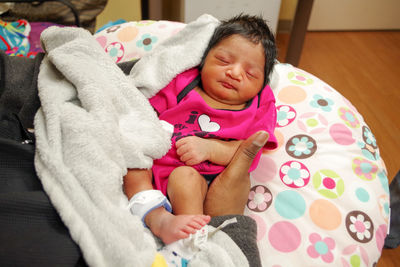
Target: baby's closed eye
222	59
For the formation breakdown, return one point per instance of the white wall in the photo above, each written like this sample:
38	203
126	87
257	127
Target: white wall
355	15
224	9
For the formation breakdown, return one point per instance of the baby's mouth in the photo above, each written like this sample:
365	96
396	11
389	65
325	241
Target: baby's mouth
227	85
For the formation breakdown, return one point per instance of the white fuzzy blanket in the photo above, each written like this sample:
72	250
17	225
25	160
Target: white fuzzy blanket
94	124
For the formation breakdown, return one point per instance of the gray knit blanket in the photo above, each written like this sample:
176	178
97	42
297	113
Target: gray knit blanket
94	123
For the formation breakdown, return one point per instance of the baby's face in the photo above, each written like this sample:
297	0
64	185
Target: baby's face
233	70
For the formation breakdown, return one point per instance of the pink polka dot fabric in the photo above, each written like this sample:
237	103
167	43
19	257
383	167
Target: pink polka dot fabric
321	198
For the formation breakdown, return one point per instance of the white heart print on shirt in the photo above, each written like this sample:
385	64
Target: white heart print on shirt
207	125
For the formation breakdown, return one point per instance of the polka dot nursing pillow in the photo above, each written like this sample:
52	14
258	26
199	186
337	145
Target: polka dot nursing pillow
321	198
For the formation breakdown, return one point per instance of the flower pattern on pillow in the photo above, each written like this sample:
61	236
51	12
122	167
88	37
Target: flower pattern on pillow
369	137
294	174
301	146
285	115
147	42
349	117
116	51
359	226
260	198
321	247
365	169
299	78
321	102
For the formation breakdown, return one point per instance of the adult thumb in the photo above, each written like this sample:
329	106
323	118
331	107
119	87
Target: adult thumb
247	151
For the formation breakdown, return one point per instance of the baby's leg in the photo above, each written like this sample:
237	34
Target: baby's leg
187	190
137	180
163	224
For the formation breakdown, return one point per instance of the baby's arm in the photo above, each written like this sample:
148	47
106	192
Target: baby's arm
193	150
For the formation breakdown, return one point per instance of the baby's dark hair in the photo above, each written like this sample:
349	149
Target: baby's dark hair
253	28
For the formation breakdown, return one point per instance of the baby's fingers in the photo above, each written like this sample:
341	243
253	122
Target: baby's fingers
182	148
183	141
189	159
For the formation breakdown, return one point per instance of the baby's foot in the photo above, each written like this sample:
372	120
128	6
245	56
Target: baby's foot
170	228
181	226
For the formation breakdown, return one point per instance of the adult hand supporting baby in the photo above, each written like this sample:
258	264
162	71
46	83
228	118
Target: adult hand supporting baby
228	193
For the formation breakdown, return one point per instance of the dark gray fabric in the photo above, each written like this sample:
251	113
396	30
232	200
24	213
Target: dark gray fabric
31	232
244	234
393	238
127	66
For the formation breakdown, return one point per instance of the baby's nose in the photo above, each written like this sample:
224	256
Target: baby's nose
236	71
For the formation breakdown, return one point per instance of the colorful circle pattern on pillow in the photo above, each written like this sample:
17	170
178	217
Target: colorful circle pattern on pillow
321	198
331	189
131	40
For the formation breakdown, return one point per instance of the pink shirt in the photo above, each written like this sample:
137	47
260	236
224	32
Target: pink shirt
186	110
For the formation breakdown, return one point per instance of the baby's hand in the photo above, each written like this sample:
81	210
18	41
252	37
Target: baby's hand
193	150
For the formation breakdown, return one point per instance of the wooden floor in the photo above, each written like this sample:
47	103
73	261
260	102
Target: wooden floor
365	68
